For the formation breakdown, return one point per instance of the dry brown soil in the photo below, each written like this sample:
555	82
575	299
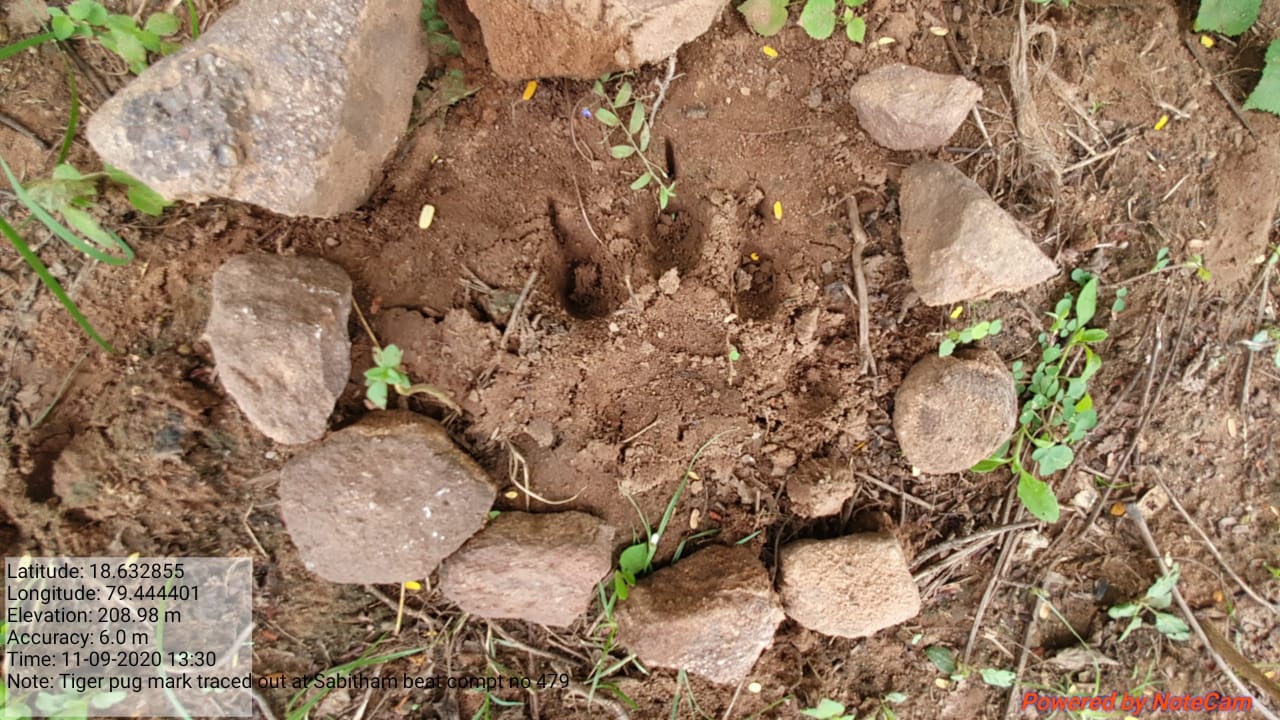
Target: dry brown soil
610	382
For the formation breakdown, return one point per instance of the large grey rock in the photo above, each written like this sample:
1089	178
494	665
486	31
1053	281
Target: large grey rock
851	586
292	105
958	243
564	38
278	330
906	108
711	614
952	412
383	501
539	568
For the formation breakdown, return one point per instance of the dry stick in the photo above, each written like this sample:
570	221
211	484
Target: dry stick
25	131
899	491
1248	361
582	206
1006	552
1213	550
518	308
949	545
1011	706
662	90
1235	109
1135	514
860	282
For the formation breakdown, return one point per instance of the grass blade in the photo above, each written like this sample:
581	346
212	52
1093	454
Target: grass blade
61	231
73	122
50	282
9	51
195	20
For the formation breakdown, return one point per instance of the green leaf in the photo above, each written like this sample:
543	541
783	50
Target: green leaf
1087	303
637	118
1053	458
1134	624
664	196
607	117
1092	335
620	586
162	23
1092	363
1172	626
378	395
1266	96
624	94
635	559
1124	611
1038	497
947	347
827	709
856	30
104	700
644	138
989	465
1229	17
388	357
622	151
998	678
146	200
63	26
819	18
128	46
642	181
765	17
942	658
896	698
996	326
81	9
1163	586
855	3
734	354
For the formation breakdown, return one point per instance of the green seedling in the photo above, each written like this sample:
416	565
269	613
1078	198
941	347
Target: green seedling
818	18
636	134
388	373
1234	17
828	709
438	35
973	333
116	32
1057	410
945	660
1262	341
1157	599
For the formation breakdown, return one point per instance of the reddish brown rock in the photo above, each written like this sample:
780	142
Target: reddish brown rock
538	568
851	586
907	108
383	501
711	614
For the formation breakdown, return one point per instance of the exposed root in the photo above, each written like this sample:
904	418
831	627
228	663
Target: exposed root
1038	164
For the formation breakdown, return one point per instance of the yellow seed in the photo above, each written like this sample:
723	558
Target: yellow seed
426	217
939	31
942	683
1117	509
777	209
133	558
886	40
1206	40
768	50
1270	674
693	475
413	585
511	494
1164	120
755	687
1218	596
529	90
755	257
957	312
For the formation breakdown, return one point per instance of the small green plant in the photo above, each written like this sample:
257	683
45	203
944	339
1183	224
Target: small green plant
1057	410
973	333
828	709
438	35
1263	340
1234	17
945	660
1157	599
636	134
118	33
388	373
818	18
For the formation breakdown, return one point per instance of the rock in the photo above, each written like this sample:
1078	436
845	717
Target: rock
557	38
819	488
850	587
278	330
952	412
958	243
538	568
80	471
288	104
383	501
711	614
906	108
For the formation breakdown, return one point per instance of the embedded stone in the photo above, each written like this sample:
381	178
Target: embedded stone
908	108
852	586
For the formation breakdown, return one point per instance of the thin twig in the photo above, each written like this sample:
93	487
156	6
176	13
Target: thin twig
860	283
1002	563
16	126
517	310
1135	514
640	432
582	206
1235	109
662	90
1099	157
1010	708
1248	362
943	548
886	486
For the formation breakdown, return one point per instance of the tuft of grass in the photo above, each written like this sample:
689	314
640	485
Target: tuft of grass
300	705
388	373
116	32
636	133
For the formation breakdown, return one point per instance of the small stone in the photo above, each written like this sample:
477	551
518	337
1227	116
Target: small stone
907	108
382	501
559	38
952	412
278	331
669	283
959	245
291	105
814	99
851	587
542	433
819	488
711	614
538	568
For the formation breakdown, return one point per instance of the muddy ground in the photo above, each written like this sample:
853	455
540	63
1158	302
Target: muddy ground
610	380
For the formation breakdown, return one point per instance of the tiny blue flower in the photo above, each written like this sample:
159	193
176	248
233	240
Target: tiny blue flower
586	113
